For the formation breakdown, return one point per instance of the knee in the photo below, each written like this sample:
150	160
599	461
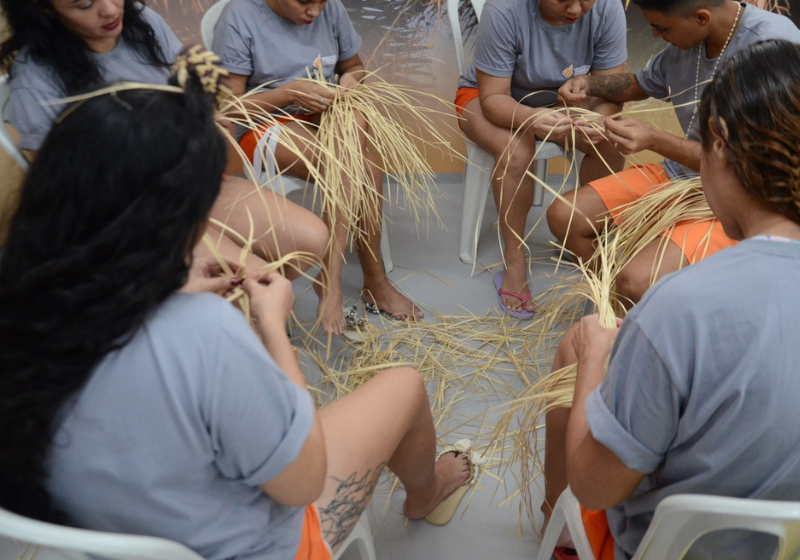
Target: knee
315	237
407	384
558	217
515	160
631	284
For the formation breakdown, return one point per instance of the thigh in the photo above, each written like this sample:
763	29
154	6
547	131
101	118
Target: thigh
297	148
492	138
698	239
657	259
582	208
628	186
362	431
273	224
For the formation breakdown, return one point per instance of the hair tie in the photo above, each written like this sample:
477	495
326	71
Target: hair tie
206	66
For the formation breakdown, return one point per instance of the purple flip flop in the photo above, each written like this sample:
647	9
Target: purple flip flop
522	314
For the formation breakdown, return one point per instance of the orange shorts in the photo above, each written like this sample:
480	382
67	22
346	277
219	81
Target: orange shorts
696	238
312	544
598	534
463	96
249	139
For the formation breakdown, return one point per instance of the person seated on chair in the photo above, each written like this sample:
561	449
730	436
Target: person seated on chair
523	52
129	403
268	44
60	48
701	388
701	34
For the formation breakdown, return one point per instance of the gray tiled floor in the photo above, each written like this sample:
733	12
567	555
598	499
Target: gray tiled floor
423	268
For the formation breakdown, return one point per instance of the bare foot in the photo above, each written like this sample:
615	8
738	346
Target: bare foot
516	281
390	300
450	472
329	310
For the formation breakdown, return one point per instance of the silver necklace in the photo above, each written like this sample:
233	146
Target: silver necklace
716	64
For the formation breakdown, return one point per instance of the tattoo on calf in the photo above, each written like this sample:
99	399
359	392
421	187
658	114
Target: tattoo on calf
341	514
611	87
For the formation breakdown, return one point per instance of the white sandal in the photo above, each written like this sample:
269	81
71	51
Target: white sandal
443	513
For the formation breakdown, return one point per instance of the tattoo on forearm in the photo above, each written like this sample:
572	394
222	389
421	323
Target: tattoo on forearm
340	516
612	88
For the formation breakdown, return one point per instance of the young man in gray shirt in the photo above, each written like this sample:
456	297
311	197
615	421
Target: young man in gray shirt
702	34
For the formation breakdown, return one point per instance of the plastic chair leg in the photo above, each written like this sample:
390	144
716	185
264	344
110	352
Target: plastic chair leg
566	512
386	252
360	538
477	177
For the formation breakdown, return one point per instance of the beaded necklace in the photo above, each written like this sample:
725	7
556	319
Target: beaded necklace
716	64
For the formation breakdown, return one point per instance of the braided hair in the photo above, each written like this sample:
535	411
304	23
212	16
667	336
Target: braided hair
757	94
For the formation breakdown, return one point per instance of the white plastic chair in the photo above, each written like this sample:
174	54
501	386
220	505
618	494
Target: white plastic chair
477	171
76	544
6	140
282	183
209	21
681	519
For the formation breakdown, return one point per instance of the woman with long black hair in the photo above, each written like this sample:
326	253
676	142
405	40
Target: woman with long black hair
127	404
59	48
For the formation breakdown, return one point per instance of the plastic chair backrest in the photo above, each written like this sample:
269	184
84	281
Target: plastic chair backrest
7	142
681	519
106	545
455	26
208	22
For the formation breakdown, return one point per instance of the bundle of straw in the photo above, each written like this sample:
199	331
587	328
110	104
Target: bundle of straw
639	225
398	126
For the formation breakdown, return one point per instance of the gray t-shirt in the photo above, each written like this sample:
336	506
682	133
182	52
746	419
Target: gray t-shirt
254	41
33	84
173	433
671	74
514	41
702	391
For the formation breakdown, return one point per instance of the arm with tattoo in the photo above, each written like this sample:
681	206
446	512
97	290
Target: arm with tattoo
617	88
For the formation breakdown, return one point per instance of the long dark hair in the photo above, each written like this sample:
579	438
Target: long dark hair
757	93
33	24
111	208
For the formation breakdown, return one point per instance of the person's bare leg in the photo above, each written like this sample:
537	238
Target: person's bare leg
512	189
577	223
229	250
599	160
377	288
385	422
279	225
658	258
329	310
555	452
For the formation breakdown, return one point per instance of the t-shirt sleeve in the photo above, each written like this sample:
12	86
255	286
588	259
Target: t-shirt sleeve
258	420
233	44
495	50
635	410
349	40
611	48
30	115
169	42
165	36
653	77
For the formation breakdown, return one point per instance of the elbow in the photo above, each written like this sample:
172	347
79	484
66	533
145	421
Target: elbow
588	495
302	492
599	491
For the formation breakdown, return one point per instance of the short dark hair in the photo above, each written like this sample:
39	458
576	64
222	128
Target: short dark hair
757	94
111	208
681	8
